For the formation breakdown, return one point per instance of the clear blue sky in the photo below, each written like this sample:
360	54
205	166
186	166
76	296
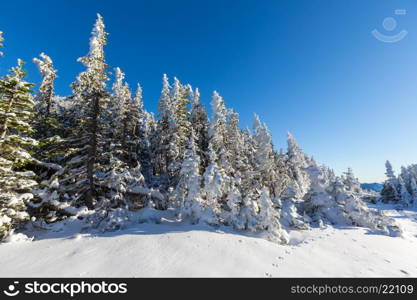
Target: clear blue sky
310	67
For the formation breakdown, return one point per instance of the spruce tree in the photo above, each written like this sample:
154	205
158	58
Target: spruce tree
199	122
143	127
297	185
389	191
265	158
49	121
217	174
161	138
188	190
180	128
16	183
351	182
46	90
269	219
86	158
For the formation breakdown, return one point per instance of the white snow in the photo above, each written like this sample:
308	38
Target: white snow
173	249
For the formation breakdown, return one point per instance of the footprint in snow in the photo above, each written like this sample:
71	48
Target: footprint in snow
288	252
405	272
280	257
387	260
267	274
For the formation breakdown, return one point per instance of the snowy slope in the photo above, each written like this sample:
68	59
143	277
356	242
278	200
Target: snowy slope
173	249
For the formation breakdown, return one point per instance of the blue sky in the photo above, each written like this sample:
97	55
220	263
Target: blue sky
310	67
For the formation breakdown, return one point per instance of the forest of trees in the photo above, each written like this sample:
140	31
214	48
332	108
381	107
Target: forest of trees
98	154
401	189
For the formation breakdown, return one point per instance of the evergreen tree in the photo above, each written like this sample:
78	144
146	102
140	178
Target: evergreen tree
406	198
249	212
235	204
127	114
297	185
351	182
217	176
188	189
161	137
16	112
46	90
265	158
180	128
413	189
49	121
199	122
86	160
269	219
144	124
389	192
216	184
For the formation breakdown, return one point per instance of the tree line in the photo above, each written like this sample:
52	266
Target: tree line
98	154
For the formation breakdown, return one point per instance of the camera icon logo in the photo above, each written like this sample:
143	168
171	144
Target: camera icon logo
389	24
11	290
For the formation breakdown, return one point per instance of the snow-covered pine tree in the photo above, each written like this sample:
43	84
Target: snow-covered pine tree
218	132
265	167
240	172
249	211
126	116
317	199
90	90
199	122
389	193
269	219
123	172
187	193
242	198
216	185
160	141
283	172
16	183
235	144
180	128
86	159
351	182
413	191
234	217
406	198
49	121
296	187
142	131
46	93
217	174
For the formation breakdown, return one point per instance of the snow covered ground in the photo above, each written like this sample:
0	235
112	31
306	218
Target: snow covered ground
172	249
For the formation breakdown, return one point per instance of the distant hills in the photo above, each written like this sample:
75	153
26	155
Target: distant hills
375	186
